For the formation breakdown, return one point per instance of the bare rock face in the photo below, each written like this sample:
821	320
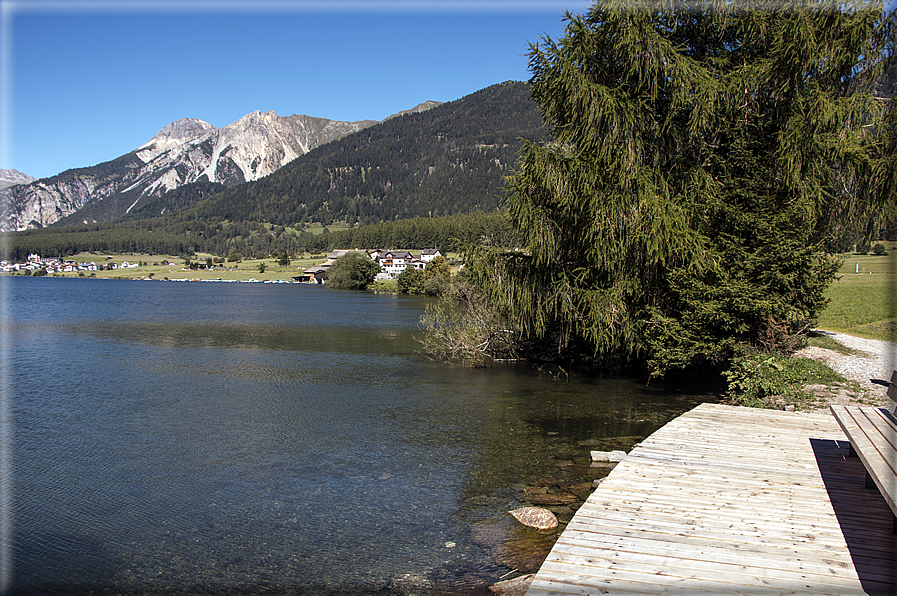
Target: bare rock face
13	177
535	517
186	151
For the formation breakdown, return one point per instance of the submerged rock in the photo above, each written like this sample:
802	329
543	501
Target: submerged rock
513	587
560	498
535	517
513	545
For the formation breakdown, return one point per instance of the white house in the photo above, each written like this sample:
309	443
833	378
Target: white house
394	262
428	254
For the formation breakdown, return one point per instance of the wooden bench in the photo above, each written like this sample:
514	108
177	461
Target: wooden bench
872	433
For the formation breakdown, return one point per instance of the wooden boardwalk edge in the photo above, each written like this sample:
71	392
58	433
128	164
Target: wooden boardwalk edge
730	500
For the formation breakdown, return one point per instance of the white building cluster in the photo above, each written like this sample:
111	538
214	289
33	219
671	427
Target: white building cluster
392	262
58	265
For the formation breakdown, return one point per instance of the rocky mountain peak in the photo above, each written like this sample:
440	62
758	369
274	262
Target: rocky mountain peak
13	177
186	151
185	128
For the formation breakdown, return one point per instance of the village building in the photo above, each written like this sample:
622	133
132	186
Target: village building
428	254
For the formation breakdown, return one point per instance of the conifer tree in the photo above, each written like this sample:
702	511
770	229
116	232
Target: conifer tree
703	155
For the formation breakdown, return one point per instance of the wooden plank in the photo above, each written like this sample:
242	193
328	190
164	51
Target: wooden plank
728	500
876	451
593	580
748	571
884	426
777	557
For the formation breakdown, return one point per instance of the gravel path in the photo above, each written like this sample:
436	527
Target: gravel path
878	360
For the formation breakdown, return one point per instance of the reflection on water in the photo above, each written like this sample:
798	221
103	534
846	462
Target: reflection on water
224	438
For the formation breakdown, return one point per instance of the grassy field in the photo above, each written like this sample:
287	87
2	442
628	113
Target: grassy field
175	270
863	301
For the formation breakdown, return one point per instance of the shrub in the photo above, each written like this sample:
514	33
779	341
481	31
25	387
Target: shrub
761	380
411	281
352	271
437	285
879	249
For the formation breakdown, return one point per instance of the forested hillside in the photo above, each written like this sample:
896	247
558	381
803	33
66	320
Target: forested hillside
186	237
445	161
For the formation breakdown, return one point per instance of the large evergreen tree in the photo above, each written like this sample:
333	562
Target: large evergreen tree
704	153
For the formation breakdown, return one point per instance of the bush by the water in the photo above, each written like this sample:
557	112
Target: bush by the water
352	271
761	380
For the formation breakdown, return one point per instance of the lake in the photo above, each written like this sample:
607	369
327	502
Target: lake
213	438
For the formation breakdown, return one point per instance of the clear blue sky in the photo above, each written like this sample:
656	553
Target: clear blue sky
87	81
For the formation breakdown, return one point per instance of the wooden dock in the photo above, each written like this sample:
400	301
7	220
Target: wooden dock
730	500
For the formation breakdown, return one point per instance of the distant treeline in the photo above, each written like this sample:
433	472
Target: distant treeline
186	237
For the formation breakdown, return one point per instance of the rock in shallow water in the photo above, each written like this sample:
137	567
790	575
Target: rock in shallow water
513	587
608	455
513	545
552	499
535	517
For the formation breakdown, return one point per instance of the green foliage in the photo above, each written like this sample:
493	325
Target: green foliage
262	267
65	242
184	236
411	281
760	380
434	280
437	285
704	156
879	249
284	259
352	271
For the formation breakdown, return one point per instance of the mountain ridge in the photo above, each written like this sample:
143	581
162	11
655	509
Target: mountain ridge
14	177
183	152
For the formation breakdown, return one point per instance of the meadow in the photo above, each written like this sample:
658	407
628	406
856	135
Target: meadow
154	269
862	300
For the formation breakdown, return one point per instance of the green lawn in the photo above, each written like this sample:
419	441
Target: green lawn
154	269
864	304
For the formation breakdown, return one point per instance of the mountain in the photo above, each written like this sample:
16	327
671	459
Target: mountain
184	152
13	177
450	159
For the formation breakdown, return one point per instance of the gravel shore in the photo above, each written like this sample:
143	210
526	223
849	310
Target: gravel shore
877	361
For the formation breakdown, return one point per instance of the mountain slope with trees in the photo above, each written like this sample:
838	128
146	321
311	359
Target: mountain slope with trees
448	160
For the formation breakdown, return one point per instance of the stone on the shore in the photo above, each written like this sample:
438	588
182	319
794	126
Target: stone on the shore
608	455
513	587
535	517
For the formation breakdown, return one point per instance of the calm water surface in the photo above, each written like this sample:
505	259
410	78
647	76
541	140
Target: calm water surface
201	438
